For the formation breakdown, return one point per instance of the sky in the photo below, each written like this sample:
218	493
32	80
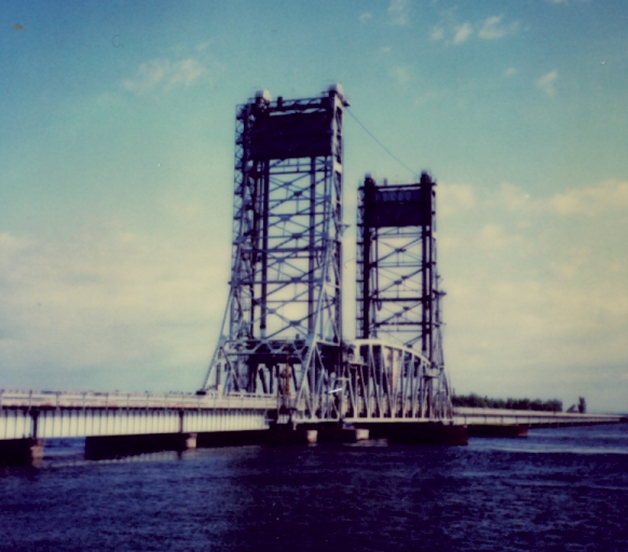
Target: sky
116	180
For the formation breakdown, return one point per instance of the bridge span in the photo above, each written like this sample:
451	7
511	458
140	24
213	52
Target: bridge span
126	423
47	414
498	422
119	423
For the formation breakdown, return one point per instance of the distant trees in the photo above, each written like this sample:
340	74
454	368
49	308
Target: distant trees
581	407
473	400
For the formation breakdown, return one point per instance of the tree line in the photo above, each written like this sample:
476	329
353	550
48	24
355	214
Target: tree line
473	400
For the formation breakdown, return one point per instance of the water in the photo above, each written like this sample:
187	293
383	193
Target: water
559	489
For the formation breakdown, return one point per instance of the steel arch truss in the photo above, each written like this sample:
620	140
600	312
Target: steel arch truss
282	330
383	380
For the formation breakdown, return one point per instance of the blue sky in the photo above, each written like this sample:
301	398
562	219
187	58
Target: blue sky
117	123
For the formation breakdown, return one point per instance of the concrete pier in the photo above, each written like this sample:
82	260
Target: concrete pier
332	433
231	438
489	430
420	433
21	452
291	434
112	446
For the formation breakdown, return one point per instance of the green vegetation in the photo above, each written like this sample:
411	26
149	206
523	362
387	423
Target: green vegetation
553	405
581	407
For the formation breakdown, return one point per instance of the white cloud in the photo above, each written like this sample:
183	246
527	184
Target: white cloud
10	244
510	71
463	32
493	237
494	29
604	199
546	83
186	72
514	198
398	12
455	198
162	74
365	17
438	33
570	265
106	305
204	45
608	196
537	289
402	74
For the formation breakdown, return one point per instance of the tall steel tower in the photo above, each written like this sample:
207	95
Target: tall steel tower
282	328
398	296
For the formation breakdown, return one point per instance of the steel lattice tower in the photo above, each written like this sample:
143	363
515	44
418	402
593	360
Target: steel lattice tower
398	296
282	329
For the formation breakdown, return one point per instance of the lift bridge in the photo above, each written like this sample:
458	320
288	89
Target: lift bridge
282	332
281	361
282	366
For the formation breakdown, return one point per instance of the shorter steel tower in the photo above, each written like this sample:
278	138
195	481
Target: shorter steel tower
398	300
282	330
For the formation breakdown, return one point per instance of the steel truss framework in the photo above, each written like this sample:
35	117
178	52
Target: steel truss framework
398	297
281	335
282	330
384	380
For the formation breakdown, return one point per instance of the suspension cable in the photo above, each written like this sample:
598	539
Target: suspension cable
414	174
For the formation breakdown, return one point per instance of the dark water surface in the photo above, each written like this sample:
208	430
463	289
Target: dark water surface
559	489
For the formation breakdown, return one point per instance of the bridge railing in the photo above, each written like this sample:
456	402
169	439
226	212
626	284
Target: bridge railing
472	415
30	399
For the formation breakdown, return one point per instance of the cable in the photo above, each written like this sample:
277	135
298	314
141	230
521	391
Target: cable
414	174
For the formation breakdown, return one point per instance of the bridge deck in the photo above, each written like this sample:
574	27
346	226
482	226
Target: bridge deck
43	414
529	418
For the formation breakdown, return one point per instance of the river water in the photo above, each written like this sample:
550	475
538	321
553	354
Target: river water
559	489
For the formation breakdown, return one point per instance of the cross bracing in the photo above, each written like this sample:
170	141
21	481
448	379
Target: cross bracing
281	335
398	296
282	332
392	381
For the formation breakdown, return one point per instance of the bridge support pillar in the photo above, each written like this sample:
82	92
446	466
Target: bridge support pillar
488	430
342	435
21	452
420	433
190	441
232	438
112	446
291	434
335	432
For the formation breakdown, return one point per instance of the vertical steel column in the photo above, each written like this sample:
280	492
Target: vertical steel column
427	265
312	248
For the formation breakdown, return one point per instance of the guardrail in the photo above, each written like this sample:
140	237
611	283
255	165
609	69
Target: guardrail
488	416
91	400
